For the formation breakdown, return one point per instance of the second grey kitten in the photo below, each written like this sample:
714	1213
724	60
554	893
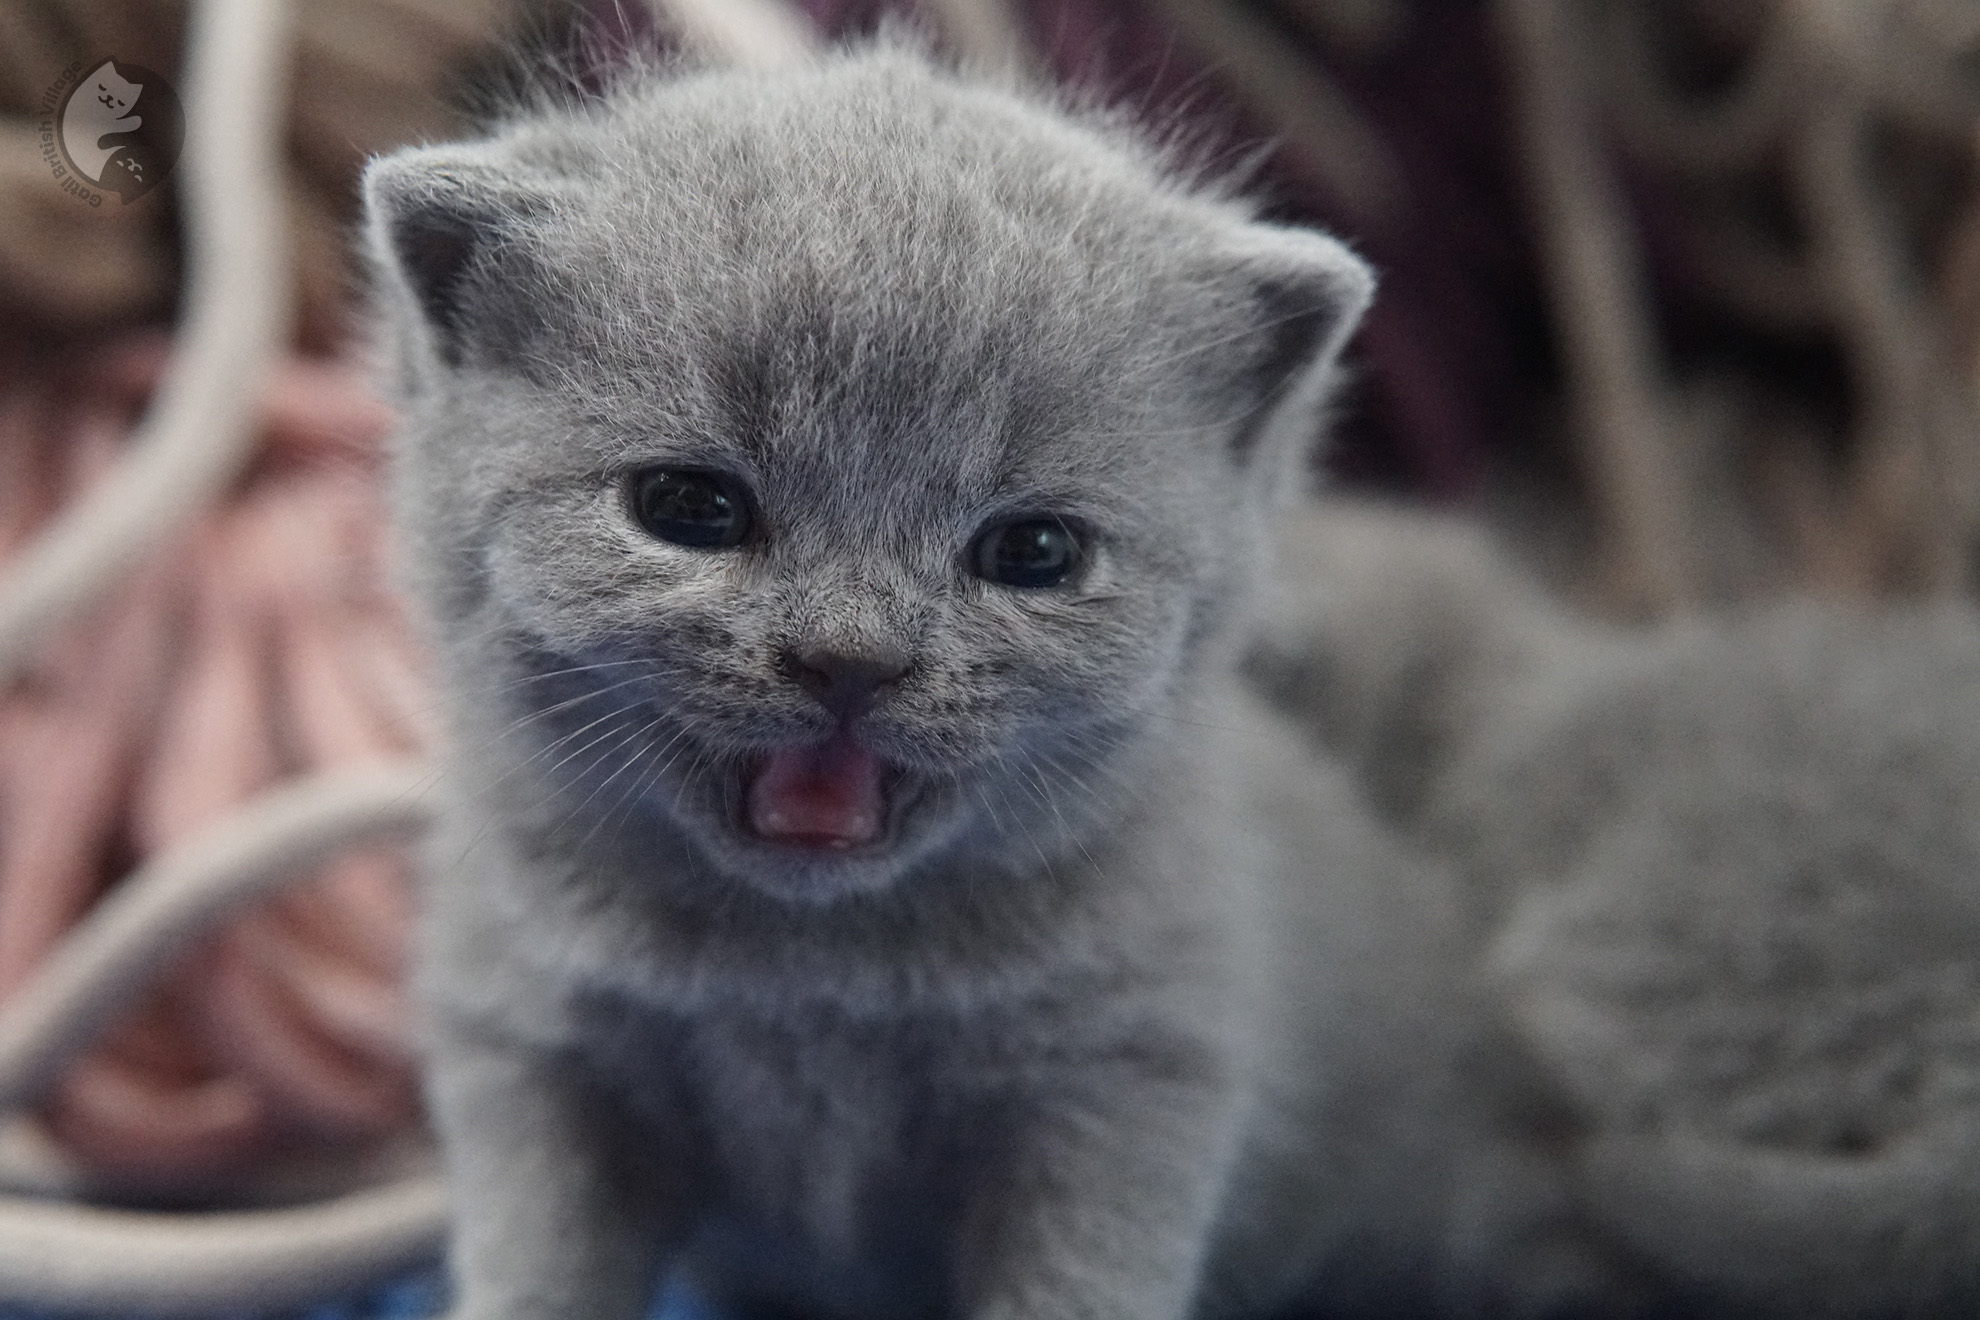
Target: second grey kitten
836	498
1723	877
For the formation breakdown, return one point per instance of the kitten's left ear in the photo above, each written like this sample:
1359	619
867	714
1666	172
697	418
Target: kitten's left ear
448	227
1309	292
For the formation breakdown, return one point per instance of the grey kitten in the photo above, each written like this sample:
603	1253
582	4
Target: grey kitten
1723	877
836	498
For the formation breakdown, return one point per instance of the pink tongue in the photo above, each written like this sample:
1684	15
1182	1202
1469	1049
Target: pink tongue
826	795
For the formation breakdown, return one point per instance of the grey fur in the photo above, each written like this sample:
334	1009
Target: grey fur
1139	1016
1725	878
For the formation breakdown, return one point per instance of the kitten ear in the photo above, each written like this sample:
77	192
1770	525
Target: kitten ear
1309	293
436	223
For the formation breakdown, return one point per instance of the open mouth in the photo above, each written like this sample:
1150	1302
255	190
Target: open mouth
831	796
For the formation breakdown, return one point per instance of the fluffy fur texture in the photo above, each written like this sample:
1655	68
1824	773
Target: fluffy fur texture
1724	880
1130	1011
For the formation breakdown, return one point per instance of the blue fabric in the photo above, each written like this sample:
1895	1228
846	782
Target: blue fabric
414	1298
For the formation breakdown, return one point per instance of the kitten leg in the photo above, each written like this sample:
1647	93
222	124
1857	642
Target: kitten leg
1105	1206
559	1212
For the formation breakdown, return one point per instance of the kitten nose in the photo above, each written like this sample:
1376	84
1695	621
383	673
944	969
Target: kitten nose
844	683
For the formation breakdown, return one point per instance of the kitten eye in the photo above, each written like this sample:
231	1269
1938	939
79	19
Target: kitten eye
705	510
1032	553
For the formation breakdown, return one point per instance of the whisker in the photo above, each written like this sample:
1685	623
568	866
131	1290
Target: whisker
542	676
564	760
694	768
1045	795
639	785
1187	723
1017	818
547	749
523	722
437	704
632	759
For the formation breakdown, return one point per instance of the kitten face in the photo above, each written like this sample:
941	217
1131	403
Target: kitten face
846	485
862	548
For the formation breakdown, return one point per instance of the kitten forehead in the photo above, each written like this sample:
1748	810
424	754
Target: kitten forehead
860	137
882	242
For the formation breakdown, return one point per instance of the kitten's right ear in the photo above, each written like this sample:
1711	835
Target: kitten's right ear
436	221
1308	293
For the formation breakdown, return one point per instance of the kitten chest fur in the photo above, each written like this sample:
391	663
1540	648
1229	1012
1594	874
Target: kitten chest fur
836	1085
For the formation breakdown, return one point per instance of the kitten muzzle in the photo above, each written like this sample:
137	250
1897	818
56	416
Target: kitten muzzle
824	795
